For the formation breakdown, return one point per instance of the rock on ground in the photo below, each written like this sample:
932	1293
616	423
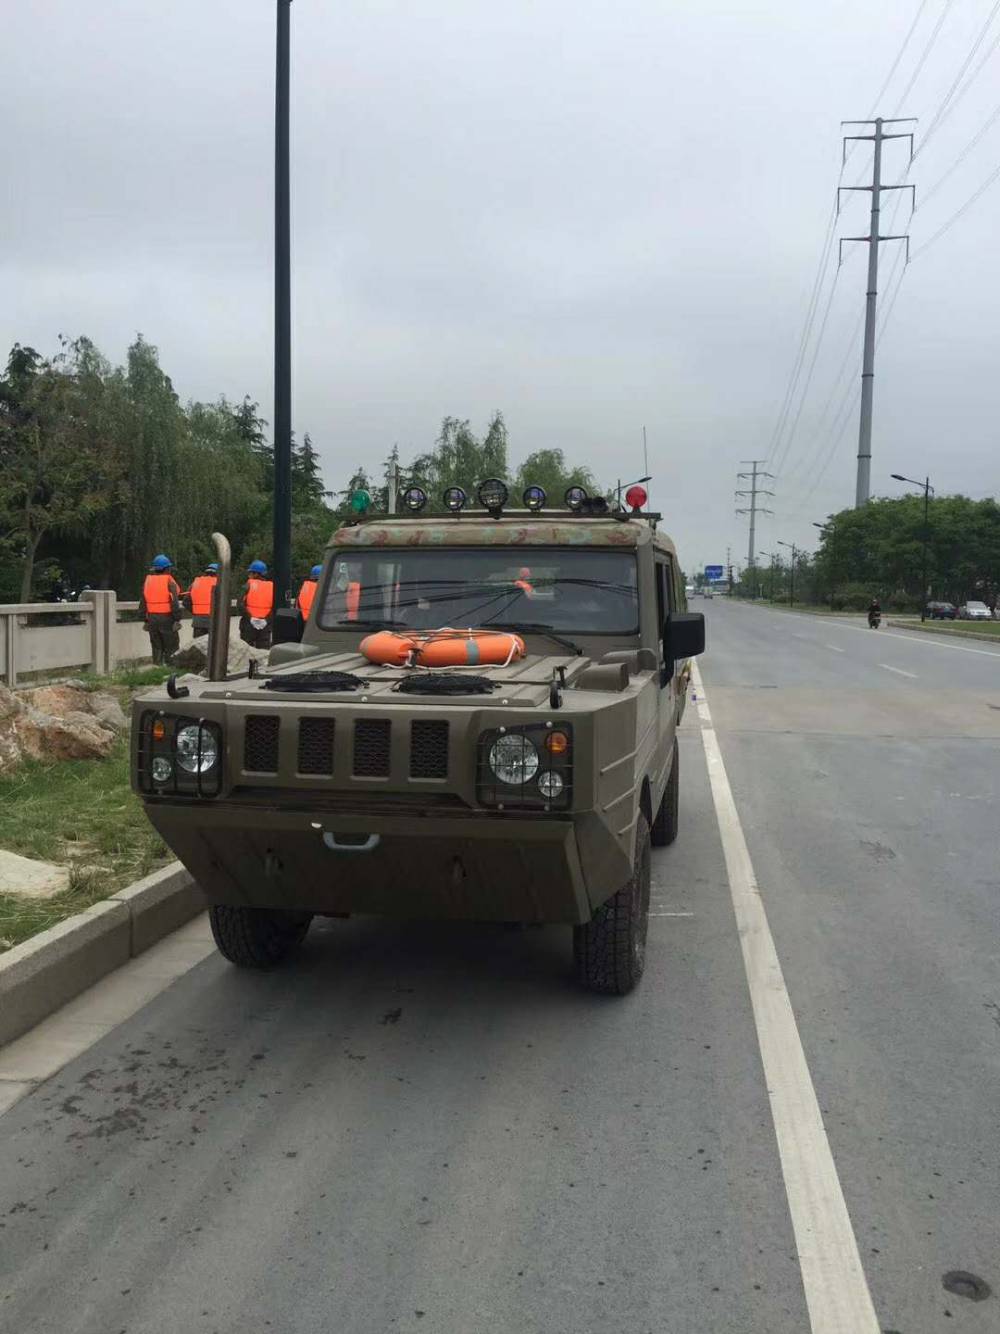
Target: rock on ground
57	722
195	655
31	879
77	736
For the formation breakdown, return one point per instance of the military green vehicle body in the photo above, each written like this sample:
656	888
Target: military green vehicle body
373	800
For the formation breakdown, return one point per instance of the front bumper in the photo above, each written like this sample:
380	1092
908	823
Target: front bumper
479	867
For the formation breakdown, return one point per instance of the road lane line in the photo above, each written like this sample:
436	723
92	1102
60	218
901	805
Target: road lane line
834	648
907	637
836	1289
898	670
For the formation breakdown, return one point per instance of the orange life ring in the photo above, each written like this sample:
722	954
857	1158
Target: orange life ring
443	648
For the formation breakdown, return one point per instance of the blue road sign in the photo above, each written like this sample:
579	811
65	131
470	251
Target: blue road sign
714	572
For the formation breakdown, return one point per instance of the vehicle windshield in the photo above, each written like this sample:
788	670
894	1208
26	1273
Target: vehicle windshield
976	606
591	591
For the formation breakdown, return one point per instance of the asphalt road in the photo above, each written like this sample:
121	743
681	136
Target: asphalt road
429	1129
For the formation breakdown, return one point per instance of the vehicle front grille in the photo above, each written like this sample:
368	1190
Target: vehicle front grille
260	744
315	746
372	738
428	750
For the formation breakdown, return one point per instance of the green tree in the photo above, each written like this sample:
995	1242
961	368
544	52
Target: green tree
548	469
56	476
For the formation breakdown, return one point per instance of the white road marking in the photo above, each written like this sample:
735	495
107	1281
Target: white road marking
898	670
671	914
834	649
911	637
836	1289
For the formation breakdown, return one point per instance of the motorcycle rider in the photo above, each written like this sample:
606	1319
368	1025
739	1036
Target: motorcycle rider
874	613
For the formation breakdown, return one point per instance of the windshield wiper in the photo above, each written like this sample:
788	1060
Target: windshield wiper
373	625
532	626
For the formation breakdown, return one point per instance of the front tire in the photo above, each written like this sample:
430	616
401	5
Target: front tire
256	937
665	823
610	950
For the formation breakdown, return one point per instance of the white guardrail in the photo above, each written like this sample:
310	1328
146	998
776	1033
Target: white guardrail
34	637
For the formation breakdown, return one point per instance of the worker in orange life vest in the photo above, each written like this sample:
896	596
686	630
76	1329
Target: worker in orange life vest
523	582
160	605
257	606
199	598
307	592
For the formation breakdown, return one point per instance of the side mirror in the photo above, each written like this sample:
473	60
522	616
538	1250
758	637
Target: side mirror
683	635
287	626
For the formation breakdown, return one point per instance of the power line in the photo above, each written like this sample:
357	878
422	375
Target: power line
990	122
783	453
924	54
824	258
950	100
899	56
958	213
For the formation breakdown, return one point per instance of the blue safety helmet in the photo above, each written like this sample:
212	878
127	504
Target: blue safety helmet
212	567
256	567
315	572
162	562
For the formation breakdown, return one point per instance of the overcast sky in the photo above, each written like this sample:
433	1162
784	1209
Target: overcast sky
592	216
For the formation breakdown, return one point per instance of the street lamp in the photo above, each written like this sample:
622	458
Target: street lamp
770	557
828	530
791	583
927	489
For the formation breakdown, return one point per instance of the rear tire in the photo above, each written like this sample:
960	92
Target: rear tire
609	951
257	937
664	828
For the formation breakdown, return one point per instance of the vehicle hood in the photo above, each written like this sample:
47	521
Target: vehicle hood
525	682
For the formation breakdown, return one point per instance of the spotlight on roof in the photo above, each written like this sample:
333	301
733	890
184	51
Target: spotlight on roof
454	499
575	497
493	495
414	498
533	497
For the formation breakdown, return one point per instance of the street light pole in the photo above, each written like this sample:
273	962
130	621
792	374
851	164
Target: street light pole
927	489
828	531
282	530
770	556
791	582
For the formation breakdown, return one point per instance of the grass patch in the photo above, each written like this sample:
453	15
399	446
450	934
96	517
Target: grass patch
959	629
130	676
80	813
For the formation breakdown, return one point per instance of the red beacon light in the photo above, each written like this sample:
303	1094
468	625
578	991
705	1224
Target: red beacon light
635	498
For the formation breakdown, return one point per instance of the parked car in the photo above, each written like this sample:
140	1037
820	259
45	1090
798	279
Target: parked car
974	611
942	611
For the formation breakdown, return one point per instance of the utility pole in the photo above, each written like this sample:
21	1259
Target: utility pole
753	509
873	240
282	533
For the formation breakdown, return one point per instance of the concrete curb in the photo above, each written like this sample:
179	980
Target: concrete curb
43	973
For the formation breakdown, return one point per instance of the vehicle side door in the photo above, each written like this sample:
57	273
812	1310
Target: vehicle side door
666	601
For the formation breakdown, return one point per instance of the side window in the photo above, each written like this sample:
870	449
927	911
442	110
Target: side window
664	603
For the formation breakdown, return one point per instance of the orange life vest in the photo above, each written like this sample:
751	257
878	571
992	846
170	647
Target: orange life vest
200	593
352	599
158	593
306	594
260	598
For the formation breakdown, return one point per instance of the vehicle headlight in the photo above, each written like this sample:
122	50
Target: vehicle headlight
550	785
513	759
197	749
161	769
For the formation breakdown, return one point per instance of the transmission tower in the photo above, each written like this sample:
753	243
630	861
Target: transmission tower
873	240
753	509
